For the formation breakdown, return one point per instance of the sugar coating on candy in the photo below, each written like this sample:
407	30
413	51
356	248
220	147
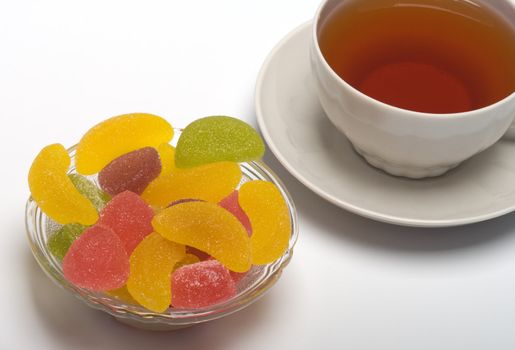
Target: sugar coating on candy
270	220
211	182
129	217
185	200
202	284
97	260
123	295
54	192
117	136
151	264
198	253
236	276
215	139
61	240
187	260
89	190
231	204
208	227
130	172
167	156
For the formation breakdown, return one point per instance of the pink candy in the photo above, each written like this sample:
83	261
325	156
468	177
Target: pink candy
129	217
97	260
201	284
130	172
231	204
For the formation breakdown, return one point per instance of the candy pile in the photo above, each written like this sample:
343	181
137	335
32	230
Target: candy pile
166	227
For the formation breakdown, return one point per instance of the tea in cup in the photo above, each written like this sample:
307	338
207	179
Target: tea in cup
417	86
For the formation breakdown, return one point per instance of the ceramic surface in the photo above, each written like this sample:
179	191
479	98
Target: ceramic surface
307	144
403	142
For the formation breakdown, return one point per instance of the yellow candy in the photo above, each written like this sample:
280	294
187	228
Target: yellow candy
167	156
151	266
210	182
123	295
53	190
270	220
117	136
187	260
208	227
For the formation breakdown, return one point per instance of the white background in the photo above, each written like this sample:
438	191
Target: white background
353	283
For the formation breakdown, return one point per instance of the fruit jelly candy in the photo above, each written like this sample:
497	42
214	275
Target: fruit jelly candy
167	156
123	295
89	190
129	217
208	227
61	240
211	182
152	263
231	204
185	200
130	172
236	276
97	260
117	136
215	139
202	284
270	220
187	260
53	190
198	253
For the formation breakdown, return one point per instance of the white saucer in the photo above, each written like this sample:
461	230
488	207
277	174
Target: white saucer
307	144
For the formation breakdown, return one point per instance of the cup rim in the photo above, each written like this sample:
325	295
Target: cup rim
34	220
399	111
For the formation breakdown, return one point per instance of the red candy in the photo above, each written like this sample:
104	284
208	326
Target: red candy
130	172
129	217
202	284
231	204
236	276
97	260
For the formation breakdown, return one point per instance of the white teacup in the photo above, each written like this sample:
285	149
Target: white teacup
403	142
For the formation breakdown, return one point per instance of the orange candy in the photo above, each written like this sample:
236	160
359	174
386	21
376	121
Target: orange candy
151	266
53	190
123	295
117	136
187	260
211	182
208	227
270	220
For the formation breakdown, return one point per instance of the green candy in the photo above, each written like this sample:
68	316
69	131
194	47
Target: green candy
216	139
62	239
88	189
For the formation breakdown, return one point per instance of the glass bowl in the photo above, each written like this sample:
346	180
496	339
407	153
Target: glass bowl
257	281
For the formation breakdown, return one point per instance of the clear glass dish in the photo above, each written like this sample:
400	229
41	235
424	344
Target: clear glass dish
257	282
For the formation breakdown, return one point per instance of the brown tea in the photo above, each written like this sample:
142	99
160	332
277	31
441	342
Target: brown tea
435	56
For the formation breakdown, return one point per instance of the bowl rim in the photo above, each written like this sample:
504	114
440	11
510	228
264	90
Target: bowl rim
34	222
